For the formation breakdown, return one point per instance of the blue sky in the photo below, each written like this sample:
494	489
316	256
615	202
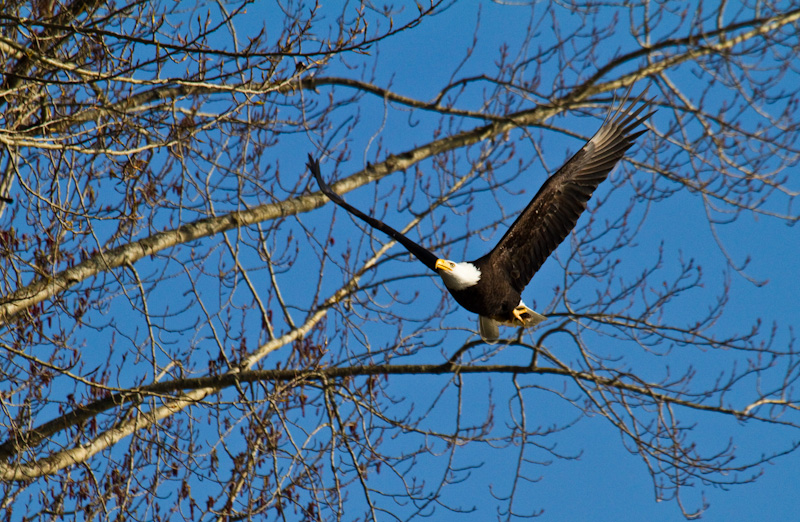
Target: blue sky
595	477
605	482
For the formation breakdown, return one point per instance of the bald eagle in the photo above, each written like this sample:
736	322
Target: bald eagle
491	286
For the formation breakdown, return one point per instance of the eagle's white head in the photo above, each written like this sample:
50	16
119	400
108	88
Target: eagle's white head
457	276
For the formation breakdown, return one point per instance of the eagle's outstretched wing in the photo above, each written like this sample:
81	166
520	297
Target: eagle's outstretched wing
554	210
424	255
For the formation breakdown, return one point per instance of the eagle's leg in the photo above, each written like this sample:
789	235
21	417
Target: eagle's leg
520	312
526	316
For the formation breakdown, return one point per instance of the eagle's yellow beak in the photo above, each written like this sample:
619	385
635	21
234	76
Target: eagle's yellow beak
443	264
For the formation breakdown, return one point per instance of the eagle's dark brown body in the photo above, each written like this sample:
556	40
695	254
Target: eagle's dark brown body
494	296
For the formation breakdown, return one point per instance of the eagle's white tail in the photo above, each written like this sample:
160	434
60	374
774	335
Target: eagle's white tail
488	328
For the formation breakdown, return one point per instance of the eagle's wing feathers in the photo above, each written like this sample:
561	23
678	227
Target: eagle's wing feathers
554	211
423	254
